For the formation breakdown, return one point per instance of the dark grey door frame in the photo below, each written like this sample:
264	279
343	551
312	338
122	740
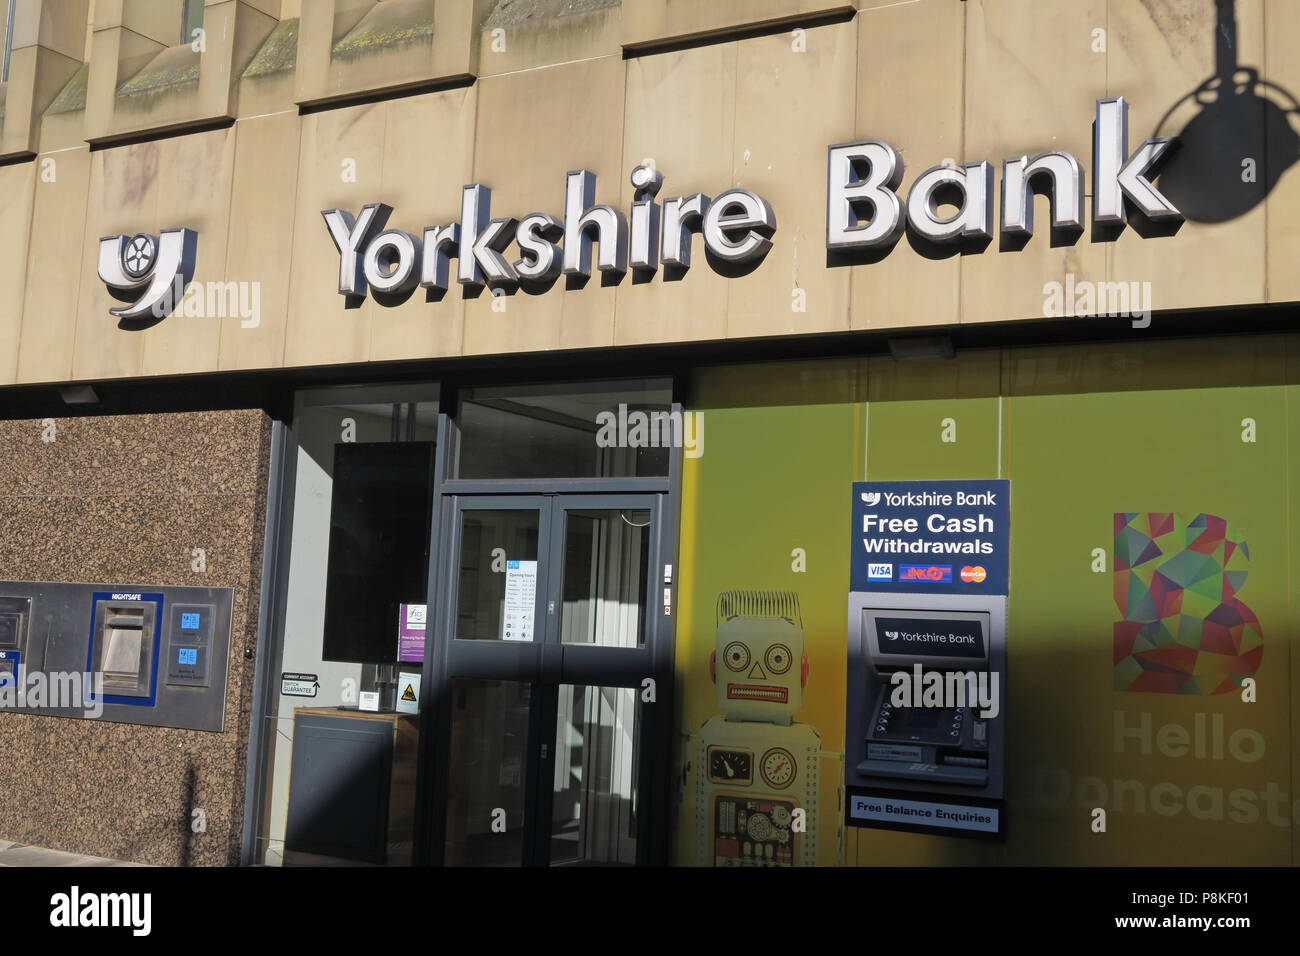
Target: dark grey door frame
655	777
546	662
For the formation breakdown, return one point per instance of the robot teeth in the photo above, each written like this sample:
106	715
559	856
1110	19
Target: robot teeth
752	692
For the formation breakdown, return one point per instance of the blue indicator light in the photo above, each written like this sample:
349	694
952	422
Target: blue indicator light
187	655
190	621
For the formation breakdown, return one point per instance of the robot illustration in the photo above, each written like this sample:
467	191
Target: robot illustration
755	767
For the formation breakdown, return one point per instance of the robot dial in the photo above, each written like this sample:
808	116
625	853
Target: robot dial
730	766
781	815
777	768
778	658
736	656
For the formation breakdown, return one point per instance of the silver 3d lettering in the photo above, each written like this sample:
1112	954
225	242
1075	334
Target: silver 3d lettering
734	227
863	209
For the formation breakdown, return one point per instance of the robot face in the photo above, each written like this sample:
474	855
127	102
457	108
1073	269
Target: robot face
759	669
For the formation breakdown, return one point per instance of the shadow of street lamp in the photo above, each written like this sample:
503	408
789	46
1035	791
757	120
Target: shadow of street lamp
1236	147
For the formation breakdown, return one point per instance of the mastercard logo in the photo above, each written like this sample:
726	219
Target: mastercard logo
973	575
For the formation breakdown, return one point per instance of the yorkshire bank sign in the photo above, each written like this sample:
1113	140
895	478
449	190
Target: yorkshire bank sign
864	212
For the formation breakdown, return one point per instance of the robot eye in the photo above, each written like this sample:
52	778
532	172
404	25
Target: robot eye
778	658
736	656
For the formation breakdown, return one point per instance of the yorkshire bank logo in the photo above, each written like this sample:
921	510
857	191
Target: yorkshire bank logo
872	498
1182	629
147	272
973	575
926	573
891	635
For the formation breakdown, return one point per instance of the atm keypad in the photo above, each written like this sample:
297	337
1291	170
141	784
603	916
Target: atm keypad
934	726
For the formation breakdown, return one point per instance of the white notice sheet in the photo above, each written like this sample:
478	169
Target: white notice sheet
521	594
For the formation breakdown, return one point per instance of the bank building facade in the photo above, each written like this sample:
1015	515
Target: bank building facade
774	433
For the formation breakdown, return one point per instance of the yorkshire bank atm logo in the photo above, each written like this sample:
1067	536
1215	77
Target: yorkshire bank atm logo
1182	628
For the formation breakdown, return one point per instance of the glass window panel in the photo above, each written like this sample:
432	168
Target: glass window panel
361	489
597	743
191	19
605	557
379	546
498	576
489	738
587	430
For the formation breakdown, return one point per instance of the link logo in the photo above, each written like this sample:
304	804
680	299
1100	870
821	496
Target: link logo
162	266
925	573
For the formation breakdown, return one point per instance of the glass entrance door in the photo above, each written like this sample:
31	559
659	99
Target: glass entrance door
553	683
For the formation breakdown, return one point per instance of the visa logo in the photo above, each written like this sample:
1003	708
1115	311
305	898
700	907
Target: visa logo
880	572
927	573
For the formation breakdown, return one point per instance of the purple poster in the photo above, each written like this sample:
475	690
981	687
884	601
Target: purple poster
410	633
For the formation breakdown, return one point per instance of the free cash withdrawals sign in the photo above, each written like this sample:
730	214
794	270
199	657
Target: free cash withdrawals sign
936	537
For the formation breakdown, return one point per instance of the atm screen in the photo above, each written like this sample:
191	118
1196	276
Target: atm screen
921	718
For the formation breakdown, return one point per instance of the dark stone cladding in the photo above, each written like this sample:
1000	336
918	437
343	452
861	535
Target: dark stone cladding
123	500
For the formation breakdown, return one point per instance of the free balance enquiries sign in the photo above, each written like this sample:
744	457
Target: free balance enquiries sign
941	537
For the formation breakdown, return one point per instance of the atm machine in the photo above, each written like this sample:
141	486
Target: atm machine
141	654
916	725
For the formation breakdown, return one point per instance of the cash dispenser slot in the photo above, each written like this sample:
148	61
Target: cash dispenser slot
126	650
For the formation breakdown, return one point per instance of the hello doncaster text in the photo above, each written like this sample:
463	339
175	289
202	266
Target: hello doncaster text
863	211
